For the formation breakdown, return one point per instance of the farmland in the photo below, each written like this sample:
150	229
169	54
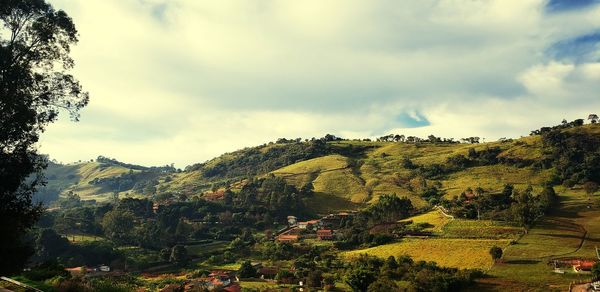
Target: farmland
570	231
457	253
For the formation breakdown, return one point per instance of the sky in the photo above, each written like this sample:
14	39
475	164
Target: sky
183	81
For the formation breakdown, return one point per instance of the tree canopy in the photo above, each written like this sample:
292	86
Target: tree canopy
35	85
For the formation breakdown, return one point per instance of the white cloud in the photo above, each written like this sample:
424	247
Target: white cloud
183	80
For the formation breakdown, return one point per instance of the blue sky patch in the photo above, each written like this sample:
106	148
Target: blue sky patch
566	5
415	120
584	48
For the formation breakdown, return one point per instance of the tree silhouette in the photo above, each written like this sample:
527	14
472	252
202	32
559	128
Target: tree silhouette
593	118
34	86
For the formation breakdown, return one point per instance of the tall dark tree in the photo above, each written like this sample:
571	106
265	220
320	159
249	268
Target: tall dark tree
35	86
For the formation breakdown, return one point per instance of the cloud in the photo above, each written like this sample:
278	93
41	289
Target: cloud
182	81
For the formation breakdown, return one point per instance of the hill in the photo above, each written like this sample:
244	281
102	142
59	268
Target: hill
343	174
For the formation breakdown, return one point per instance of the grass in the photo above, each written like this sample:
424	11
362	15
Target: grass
462	228
323	203
456	253
342	183
562	234
435	218
78	238
492	178
203	249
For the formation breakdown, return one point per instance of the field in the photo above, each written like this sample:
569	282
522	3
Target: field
572	230
457	253
479	229
435	218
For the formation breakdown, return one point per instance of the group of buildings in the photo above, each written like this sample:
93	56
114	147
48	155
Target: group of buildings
323	228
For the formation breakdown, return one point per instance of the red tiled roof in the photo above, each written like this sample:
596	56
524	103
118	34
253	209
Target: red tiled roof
325	232
233	288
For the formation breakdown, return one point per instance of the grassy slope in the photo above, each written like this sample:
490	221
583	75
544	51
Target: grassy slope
343	183
572	230
76	178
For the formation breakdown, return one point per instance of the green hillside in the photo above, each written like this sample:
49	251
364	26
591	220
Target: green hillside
344	174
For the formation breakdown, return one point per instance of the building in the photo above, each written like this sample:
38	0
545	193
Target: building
325	234
312	224
289	238
583	266
292	220
268	272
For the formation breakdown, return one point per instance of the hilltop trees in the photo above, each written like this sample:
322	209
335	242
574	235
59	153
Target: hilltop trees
593	118
35	41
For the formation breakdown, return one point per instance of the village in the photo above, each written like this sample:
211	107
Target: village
323	229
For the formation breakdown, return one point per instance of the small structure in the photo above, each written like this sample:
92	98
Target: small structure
235	287
288	238
268	272
325	234
584	266
216	280
104	268
311	224
292	220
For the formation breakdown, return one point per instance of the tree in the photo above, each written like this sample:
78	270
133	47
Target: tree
35	42
390	208
246	270
596	270
496	253
179	254
593	118
590	187
360	278
117	225
49	244
383	284
314	278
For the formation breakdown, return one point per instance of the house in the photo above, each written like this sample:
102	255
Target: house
292	220
235	287
216	280
104	268
268	272
289	238
584	266
333	221
325	234
312	224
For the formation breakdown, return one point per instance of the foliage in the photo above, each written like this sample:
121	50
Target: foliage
389	208
496	252
118	226
179	254
575	155
47	270
383	284
35	42
246	270
596	270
